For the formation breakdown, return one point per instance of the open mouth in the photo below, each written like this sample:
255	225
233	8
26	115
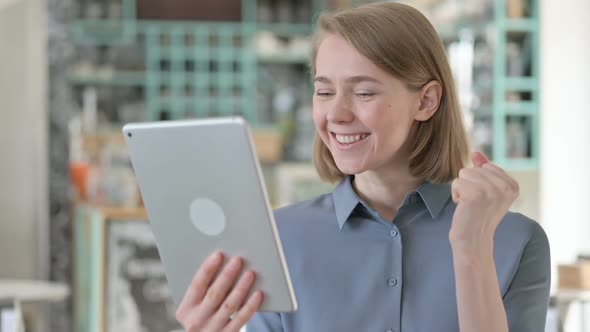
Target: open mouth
349	139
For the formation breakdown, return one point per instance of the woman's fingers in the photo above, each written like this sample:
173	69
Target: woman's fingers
245	313
198	316
200	283
233	302
212	297
221	286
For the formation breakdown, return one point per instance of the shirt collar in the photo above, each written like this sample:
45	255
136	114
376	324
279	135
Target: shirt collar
345	200
435	197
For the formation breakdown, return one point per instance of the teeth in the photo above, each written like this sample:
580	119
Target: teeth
350	139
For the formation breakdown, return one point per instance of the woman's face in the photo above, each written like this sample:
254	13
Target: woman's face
362	114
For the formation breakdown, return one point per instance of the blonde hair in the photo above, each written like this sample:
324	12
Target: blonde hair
401	41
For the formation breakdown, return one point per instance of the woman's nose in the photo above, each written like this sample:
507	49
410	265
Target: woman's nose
341	110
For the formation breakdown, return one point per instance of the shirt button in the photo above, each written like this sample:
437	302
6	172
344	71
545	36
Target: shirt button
393	233
392	282
414	199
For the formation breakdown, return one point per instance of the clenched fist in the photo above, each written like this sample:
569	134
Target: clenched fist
483	194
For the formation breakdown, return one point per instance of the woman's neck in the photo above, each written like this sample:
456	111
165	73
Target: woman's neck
384	190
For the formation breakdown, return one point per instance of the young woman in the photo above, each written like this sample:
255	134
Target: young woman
412	239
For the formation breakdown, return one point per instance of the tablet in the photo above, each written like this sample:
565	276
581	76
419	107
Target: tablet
203	190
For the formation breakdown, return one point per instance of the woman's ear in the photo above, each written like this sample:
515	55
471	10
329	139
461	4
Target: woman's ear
430	96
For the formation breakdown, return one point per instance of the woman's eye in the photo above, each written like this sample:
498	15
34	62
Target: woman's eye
324	94
365	94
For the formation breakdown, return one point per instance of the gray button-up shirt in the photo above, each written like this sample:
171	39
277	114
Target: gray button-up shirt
354	271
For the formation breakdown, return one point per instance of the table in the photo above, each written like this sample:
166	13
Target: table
16	292
563	298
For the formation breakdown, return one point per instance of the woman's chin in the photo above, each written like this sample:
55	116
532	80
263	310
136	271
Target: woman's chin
349	168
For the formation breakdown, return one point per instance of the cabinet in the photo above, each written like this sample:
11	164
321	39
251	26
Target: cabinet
119	281
150	69
516	84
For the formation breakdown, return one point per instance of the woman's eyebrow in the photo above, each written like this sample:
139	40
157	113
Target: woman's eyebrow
322	79
358	79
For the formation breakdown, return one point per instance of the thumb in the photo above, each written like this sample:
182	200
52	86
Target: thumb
455	196
479	159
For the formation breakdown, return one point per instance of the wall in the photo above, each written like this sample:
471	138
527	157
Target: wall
527	202
565	129
23	165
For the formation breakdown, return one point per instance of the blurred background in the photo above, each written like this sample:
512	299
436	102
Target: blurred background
76	250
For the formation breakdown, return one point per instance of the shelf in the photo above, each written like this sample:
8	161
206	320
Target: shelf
203	101
286	29
120	213
483	84
219	44
483	111
521	25
453	31
103	32
302	59
121	78
521	84
522	108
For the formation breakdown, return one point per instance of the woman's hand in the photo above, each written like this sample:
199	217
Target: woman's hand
212	303
483	194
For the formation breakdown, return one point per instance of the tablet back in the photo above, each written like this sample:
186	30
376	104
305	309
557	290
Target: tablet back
203	191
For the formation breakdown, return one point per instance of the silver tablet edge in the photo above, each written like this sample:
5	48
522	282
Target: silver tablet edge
275	232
